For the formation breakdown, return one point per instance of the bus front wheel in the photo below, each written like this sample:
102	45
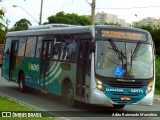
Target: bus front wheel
68	94
21	82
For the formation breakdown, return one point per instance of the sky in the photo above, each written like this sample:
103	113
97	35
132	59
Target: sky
125	9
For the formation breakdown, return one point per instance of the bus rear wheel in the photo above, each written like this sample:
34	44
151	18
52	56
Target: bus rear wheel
119	106
68	95
21	82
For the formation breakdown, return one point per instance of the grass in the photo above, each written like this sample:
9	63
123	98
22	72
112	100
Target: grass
8	105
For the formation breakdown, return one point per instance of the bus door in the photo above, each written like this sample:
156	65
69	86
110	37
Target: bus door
82	62
45	57
13	56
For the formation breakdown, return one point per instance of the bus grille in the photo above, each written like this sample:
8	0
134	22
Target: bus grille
126	84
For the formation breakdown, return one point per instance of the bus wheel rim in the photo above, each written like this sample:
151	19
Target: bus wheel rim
21	85
70	95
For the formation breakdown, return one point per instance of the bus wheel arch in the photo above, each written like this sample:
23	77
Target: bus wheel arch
21	81
67	92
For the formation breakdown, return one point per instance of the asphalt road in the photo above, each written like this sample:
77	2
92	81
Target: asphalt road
53	106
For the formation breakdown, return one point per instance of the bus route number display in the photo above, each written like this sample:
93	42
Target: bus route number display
123	35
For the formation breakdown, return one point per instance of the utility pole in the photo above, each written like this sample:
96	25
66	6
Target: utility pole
93	8
40	19
93	12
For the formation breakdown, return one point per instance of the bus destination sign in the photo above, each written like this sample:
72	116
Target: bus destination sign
123	35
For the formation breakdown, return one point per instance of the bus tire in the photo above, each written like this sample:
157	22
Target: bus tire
21	82
68	95
119	106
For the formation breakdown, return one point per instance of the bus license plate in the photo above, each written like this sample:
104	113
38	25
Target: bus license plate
126	98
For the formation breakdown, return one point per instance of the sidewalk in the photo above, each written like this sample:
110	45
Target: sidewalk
157	97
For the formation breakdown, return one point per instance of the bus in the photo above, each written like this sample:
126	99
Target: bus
103	65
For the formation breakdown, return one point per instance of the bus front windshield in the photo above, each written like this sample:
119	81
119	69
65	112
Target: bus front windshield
124	60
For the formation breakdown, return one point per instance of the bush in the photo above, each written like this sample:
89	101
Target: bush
158	72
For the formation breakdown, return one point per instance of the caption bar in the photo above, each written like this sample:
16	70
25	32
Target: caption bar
21	114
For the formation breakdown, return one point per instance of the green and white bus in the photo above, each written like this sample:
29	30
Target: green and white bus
105	65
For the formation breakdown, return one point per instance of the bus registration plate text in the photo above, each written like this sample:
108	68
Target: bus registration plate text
125	98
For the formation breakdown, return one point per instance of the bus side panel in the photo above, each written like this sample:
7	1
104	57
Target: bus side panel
58	72
31	69
6	67
54	77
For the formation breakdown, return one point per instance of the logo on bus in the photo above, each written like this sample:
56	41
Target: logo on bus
33	67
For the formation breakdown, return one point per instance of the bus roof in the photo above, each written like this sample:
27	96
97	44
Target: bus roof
50	26
64	30
71	30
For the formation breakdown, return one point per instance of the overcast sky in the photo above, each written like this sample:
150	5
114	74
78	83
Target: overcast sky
150	8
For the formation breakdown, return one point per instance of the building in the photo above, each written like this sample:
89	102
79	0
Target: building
102	18
149	21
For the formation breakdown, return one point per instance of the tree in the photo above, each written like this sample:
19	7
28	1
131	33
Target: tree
3	28
22	24
112	23
68	18
155	33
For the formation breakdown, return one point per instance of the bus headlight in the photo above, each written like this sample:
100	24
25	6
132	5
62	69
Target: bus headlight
99	85
150	86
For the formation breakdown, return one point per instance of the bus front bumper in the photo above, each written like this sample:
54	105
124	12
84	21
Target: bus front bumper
99	98
147	100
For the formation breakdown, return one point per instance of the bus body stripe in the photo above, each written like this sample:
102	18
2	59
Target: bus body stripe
54	71
50	81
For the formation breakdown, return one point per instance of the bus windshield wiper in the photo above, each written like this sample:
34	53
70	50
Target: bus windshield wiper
133	56
114	47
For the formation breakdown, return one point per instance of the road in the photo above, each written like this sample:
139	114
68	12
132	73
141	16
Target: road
52	104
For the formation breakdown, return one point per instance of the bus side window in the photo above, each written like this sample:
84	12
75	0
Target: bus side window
7	49
39	47
31	46
68	49
56	47
21	48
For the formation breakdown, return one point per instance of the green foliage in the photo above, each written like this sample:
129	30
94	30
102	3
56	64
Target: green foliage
155	33
22	24
158	72
3	28
148	28
157	91
2	36
68	18
113	23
